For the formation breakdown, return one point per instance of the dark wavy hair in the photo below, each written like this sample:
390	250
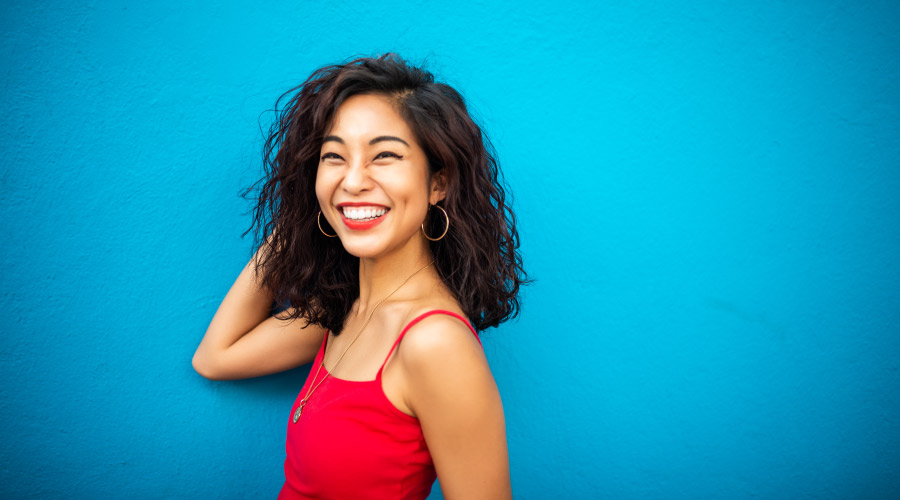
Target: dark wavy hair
313	276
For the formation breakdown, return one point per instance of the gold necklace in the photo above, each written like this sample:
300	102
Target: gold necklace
312	389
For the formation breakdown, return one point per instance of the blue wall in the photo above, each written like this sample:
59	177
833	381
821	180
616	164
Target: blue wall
708	197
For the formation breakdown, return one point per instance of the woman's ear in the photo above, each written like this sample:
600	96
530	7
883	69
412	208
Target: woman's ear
438	187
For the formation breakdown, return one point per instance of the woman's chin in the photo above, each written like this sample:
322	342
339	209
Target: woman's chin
372	246
359	247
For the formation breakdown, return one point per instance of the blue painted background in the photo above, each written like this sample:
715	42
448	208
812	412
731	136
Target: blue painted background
708	198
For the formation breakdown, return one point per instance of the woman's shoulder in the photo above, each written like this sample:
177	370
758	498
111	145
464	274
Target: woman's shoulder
437	334
444	368
446	314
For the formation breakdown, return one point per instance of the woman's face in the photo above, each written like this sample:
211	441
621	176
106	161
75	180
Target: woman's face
372	182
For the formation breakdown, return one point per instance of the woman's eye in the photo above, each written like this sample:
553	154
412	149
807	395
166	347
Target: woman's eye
388	154
331	156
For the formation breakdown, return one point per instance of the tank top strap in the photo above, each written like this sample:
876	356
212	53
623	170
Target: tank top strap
321	354
420	318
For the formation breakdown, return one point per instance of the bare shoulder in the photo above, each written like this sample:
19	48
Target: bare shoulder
445	370
450	389
438	340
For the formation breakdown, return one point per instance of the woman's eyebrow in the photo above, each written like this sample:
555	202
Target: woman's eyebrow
381	138
387	138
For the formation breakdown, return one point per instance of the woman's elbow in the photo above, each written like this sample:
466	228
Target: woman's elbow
206	367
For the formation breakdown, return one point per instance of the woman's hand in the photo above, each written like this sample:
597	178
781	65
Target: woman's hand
244	341
450	389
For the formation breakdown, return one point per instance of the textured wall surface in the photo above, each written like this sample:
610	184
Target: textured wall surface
708	197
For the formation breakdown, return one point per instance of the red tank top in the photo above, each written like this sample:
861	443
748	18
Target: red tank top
351	442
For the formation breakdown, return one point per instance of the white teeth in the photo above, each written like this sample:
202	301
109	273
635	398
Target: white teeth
363	213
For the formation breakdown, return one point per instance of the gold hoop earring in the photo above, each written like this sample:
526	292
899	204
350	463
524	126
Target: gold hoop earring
445	229
319	221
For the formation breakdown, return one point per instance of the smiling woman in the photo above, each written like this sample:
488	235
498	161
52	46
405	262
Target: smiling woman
384	233
373	182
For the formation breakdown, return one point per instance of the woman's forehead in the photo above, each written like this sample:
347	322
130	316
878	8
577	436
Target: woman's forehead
369	116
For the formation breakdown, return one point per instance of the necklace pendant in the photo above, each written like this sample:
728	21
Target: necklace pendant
299	410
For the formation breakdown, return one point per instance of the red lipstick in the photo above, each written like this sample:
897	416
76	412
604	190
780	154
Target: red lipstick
361	225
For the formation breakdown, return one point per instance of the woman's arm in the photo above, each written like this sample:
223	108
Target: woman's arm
451	390
244	341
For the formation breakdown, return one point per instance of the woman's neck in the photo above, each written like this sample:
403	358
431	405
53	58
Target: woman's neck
379	277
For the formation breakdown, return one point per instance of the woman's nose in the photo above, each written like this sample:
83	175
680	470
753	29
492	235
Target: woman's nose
356	178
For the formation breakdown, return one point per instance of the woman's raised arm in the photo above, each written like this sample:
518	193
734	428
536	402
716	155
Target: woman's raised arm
244	340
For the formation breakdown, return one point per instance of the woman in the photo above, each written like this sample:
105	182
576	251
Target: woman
385	235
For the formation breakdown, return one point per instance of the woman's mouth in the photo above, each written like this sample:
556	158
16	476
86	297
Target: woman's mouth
360	218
